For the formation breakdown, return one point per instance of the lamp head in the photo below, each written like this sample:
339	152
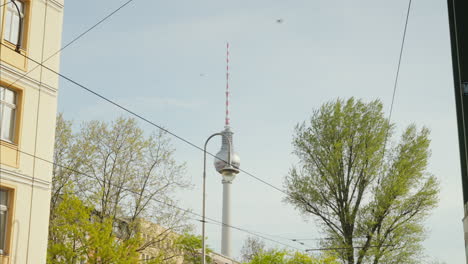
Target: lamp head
228	172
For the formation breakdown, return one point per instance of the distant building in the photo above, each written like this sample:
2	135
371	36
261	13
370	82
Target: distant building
220	259
156	239
28	102
160	238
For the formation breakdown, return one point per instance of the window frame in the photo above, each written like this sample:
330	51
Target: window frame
14	107
19	92
21	22
10	154
11	192
10	54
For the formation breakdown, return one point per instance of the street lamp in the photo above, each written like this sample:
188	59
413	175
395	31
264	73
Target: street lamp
227	167
20	26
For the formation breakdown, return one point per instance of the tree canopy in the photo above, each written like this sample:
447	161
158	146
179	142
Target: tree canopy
121	175
254	251
79	236
370	197
277	256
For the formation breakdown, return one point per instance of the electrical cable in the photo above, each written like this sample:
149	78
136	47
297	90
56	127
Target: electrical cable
344	248
73	40
214	221
38	108
395	85
169	132
159	201
397	75
151	123
131	112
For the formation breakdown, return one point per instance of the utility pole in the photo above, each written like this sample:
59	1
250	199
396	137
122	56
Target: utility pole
458	21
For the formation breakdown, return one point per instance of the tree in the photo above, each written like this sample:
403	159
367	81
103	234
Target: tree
78	236
123	173
277	256
252	247
254	251
66	161
190	247
128	170
369	198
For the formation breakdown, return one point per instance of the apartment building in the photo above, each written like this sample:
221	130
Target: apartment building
30	31
160	238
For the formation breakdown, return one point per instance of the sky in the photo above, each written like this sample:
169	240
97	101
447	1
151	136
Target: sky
166	61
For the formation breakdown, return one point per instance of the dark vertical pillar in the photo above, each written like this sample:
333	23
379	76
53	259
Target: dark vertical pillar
458	21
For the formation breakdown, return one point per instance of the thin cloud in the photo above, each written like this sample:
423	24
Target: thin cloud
137	104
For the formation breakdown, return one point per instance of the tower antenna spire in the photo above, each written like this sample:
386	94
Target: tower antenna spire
227	85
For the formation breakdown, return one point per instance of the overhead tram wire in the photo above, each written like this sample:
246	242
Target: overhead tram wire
395	83
169	132
154	124
395	86
298	241
213	221
164	130
147	121
38	110
397	75
72	41
345	248
131	112
160	127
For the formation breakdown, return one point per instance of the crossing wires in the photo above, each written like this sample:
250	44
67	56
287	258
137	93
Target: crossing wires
183	210
139	116
72	41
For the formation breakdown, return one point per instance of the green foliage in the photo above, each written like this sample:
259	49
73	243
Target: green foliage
78	235
191	247
272	256
371	199
126	176
275	256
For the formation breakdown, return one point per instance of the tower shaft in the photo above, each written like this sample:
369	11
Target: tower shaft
226	229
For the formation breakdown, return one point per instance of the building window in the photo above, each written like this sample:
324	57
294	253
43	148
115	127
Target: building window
8	100
13	26
3	220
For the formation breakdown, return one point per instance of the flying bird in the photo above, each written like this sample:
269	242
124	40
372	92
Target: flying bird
279	20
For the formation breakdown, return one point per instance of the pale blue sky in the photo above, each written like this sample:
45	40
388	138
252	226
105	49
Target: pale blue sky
150	56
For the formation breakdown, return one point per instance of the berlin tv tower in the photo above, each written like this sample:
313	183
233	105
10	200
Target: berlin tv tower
227	172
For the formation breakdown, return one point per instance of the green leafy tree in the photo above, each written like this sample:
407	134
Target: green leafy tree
190	247
371	199
79	236
275	256
66	161
125	174
270	256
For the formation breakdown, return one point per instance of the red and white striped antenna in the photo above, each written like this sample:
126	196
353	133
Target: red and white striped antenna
227	84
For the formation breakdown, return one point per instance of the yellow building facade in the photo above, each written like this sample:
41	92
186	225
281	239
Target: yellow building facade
30	31
159	239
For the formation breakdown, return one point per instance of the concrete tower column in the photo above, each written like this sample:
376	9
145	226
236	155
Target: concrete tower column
227	163
226	230
228	172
